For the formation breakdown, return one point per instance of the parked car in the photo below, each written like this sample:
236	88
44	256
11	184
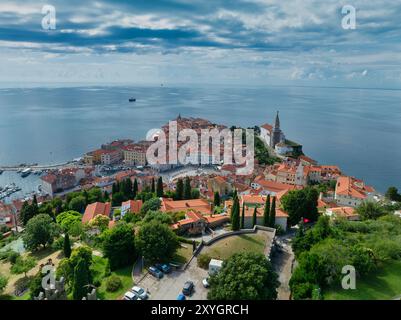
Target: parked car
181	297
188	288
140	292
156	272
131	296
205	282
163	267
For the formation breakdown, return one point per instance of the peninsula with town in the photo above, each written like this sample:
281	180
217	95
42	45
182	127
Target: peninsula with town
112	226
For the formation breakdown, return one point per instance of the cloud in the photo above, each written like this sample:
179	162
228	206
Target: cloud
271	39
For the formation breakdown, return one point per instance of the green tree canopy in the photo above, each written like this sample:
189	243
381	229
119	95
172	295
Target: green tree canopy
370	210
156	241
150	205
159	189
179	190
23	265
77	204
40	231
118	245
244	276
68	219
301	204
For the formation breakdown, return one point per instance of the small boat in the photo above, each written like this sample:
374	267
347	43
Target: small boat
26	172
131	99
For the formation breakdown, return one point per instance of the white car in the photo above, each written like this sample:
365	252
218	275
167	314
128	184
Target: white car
131	296
205	282
140	292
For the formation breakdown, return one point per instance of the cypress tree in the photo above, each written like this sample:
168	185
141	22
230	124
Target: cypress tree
106	196
235	220
266	213
81	280
272	219
67	246
187	188
153	190
216	200
254	217
135	189
243	217
179	190
34	205
159	189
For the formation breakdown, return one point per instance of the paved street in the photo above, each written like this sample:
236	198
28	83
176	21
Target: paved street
170	286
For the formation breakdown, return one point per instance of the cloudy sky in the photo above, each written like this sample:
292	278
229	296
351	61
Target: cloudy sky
252	42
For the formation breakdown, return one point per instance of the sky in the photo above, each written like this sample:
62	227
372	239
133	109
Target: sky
238	42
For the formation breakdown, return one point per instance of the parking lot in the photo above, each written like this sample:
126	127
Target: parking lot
170	286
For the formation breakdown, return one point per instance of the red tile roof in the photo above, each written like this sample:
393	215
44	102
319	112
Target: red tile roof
95	209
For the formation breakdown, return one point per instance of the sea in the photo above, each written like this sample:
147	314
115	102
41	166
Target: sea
357	129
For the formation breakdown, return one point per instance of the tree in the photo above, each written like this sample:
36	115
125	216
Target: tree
195	193
117	199
135	189
156	241
150	205
35	287
57	205
370	210
179	190
272	216
243	217
266	212
187	188
244	276
254	216
3	283
153	187
23	265
301	204
68	219
81	280
158	216
40	231
118	245
95	195
77	204
159	188
100	222
392	194
67	246
216	200
27	212
235	220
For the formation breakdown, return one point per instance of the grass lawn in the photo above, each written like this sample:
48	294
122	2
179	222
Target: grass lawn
98	267
225	248
183	254
384	284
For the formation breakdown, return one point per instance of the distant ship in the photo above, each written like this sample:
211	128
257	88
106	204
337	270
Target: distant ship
26	172
131	99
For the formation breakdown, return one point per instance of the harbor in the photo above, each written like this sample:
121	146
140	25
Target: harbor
14	186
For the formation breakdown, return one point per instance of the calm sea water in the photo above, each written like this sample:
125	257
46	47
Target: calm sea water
357	129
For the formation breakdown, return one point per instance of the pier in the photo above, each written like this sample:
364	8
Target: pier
63	165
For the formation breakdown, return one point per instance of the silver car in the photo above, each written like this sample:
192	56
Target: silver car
140	292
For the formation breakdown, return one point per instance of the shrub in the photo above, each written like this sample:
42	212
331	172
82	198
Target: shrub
22	284
113	283
12	257
203	261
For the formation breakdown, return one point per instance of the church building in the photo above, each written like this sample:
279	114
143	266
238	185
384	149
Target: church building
272	135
